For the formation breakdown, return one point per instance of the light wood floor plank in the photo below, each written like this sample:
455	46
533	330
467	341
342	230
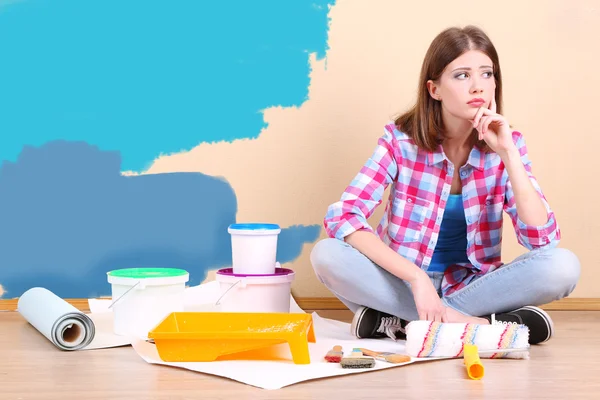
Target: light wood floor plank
567	367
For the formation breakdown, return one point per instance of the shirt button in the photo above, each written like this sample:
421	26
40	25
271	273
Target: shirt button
469	220
409	200
463	173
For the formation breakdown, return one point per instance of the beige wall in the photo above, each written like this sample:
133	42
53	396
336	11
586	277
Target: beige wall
549	56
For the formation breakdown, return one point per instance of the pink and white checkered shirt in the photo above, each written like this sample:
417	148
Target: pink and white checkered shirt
421	184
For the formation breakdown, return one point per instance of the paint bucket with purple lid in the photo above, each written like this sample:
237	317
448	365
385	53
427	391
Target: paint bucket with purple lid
255	292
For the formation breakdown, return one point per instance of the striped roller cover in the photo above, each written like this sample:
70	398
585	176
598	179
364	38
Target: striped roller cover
437	339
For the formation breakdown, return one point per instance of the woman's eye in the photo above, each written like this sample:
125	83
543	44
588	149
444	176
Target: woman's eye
462	75
488	74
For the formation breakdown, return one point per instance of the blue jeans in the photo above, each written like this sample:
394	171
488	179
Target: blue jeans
535	278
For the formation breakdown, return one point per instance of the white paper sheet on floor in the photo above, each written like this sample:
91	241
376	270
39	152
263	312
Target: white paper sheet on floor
269	374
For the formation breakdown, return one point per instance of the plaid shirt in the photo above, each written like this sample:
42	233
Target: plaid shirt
414	211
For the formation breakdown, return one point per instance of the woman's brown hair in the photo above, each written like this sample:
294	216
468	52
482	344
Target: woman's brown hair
423	122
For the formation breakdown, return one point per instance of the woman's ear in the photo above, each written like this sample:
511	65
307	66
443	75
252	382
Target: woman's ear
433	90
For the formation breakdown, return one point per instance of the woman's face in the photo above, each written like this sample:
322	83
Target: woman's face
466	84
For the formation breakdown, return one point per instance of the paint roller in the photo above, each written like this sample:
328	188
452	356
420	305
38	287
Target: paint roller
442	339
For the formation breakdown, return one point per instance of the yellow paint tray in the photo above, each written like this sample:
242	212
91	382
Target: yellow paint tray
206	336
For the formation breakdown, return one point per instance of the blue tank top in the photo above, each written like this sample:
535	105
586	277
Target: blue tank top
451	247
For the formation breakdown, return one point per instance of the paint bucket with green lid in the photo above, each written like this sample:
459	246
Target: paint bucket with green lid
143	297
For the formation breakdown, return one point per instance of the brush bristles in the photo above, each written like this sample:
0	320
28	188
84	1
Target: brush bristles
333	358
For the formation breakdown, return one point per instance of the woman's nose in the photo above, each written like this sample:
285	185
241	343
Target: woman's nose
476	89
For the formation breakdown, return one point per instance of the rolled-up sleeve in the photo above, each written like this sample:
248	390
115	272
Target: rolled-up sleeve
531	236
365	192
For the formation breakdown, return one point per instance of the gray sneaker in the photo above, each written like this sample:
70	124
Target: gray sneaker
369	323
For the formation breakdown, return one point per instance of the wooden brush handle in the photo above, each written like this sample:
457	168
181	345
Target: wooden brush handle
371	353
397	358
392	358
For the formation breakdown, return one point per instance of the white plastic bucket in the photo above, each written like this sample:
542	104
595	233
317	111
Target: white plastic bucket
143	297
255	293
254	248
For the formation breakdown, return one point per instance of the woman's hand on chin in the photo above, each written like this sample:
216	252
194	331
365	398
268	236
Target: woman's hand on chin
494	129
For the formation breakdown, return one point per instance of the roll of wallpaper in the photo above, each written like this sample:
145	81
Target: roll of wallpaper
61	323
440	339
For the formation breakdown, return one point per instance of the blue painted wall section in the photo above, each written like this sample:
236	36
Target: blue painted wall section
93	88
68	216
148	77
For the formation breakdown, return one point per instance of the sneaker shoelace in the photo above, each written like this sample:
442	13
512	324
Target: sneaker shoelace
390	326
496	322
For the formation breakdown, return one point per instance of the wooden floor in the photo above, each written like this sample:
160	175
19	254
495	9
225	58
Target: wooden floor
567	367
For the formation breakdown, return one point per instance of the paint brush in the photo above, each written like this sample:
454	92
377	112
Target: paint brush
334	355
393	358
356	360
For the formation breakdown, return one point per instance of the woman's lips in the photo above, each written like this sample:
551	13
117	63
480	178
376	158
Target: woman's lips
476	102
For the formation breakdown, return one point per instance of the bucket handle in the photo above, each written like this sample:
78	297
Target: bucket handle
223	295
121	296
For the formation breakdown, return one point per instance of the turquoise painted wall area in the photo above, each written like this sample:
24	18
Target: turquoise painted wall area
93	88
148	77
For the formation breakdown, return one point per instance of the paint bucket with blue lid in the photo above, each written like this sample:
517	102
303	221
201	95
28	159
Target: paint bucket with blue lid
254	248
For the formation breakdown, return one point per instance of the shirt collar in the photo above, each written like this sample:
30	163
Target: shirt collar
436	156
476	157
